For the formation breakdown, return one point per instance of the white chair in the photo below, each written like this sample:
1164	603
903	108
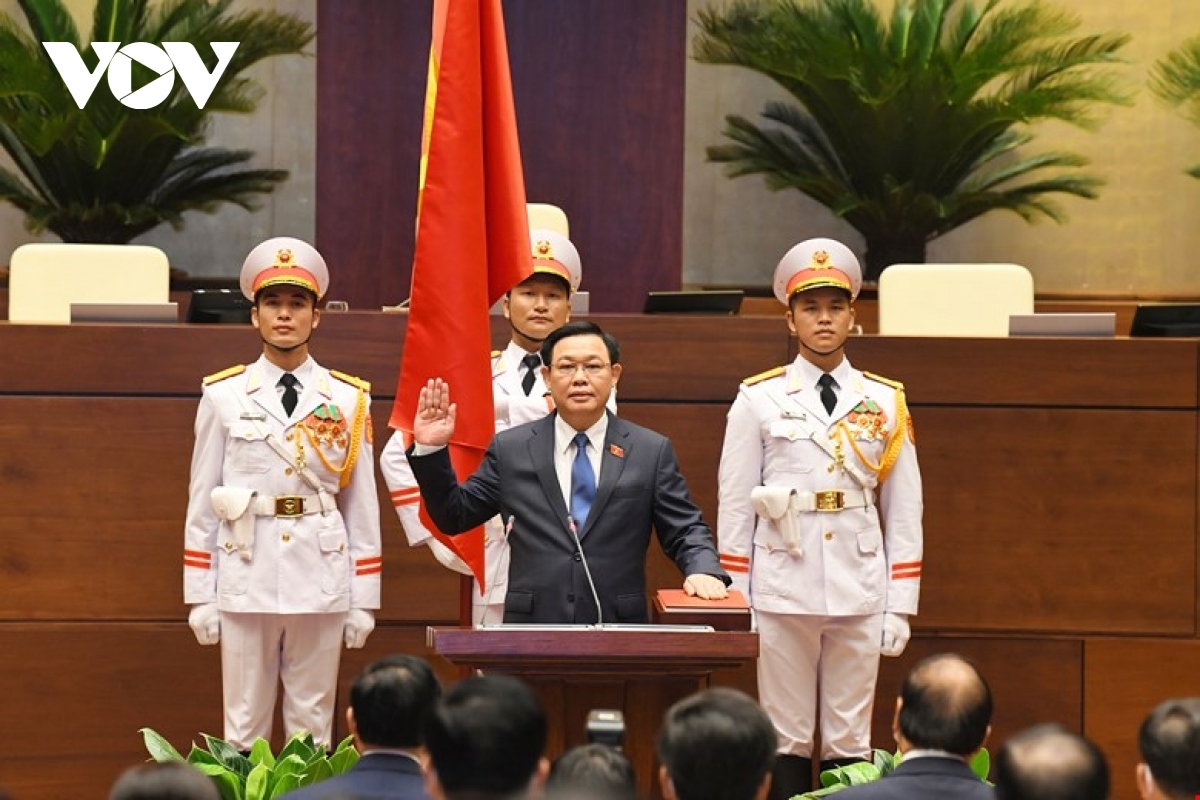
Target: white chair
544	215
45	279
952	299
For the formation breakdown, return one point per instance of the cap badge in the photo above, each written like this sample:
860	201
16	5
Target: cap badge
542	249
820	260
283	258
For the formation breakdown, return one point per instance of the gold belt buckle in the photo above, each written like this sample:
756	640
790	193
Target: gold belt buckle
832	500
289	506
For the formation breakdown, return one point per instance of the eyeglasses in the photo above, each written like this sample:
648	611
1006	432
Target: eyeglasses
567	369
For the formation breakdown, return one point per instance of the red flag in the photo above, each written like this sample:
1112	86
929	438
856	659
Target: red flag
472	233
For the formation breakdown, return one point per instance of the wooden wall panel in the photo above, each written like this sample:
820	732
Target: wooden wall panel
1034	516
598	87
1106	373
1124	680
1061	507
1032	681
78	694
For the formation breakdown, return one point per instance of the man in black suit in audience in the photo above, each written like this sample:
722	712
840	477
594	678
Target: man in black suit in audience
581	475
485	741
390	702
1169	741
1049	762
943	717
717	744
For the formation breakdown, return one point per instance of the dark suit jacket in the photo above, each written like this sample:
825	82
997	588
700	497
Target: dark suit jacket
639	487
927	778
376	776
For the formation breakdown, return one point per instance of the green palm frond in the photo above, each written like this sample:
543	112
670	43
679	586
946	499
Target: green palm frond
107	172
1176	80
910	124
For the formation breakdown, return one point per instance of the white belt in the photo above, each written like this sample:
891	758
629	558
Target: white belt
833	500
291	505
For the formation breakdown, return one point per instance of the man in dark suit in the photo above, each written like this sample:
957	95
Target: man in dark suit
486	740
581	474
390	703
943	717
717	744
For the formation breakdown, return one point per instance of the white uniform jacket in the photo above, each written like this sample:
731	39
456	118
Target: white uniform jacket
320	561
854	561
512	408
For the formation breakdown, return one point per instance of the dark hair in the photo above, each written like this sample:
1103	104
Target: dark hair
593	772
486	737
1048	762
579	328
392	698
172	780
1169	741
717	745
947	705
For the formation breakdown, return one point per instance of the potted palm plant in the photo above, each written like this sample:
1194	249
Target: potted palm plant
912	125
108	173
1176	80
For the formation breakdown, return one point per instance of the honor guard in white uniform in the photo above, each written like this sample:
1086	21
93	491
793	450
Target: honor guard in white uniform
282	556
534	308
820	520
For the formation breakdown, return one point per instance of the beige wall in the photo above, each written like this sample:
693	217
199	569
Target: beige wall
1138	238
282	133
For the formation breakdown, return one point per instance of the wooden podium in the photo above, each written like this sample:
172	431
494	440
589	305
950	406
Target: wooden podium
641	670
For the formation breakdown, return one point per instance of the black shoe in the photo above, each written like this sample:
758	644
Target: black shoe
791	775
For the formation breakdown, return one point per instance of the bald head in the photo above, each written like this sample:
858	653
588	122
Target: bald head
1048	762
945	704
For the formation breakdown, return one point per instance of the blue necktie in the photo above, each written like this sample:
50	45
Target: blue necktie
583	482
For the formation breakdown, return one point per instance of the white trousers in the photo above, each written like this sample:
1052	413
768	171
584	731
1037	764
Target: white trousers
809	664
259	650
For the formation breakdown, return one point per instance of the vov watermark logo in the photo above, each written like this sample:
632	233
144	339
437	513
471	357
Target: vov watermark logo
164	61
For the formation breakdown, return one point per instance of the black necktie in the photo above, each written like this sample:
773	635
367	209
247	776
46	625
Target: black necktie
533	362
290	395
828	395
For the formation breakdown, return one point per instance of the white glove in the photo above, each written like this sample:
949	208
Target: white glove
205	620
895	634
359	624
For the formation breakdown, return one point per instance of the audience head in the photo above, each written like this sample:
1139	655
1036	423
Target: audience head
944	704
485	739
1169	741
716	745
172	780
390	702
592	772
1048	762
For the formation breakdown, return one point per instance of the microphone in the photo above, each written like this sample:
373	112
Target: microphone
487	601
586	572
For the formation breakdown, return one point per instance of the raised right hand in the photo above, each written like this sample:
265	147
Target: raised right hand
433	424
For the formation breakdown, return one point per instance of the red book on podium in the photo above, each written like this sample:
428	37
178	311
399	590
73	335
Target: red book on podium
676	607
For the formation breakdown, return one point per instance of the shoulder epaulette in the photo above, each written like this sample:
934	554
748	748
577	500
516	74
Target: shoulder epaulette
223	374
358	383
897	385
762	376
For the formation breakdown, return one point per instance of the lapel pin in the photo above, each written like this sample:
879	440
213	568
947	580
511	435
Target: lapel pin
616	451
